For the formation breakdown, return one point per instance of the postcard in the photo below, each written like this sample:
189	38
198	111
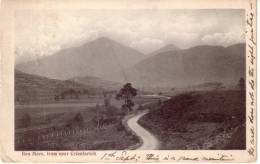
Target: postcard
128	81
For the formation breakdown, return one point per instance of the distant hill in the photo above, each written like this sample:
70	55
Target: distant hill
207	86
97	82
191	66
33	88
166	48
96	58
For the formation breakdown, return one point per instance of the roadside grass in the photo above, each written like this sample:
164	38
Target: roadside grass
199	120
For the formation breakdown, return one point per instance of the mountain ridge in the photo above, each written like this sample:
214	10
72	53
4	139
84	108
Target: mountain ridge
194	65
112	61
168	47
92	58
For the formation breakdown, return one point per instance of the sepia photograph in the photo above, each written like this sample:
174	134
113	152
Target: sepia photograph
130	79
157	81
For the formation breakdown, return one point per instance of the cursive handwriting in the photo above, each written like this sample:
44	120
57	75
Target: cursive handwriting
125	156
251	44
221	157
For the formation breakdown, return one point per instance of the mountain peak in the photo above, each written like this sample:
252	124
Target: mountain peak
91	58
103	39
168	47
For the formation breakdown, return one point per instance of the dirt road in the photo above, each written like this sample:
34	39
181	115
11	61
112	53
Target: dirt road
149	140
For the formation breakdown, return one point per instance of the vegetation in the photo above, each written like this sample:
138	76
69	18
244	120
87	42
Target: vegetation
127	93
78	120
102	126
199	120
37	89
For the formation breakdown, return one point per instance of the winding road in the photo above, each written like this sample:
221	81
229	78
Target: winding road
149	140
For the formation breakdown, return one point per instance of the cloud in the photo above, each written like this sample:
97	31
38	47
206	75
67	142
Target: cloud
182	39
41	33
222	38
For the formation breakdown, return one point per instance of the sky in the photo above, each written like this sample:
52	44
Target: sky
42	33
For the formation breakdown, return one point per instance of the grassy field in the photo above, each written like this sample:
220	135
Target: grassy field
102	126
199	120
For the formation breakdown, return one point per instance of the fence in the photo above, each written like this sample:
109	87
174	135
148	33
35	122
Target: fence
55	134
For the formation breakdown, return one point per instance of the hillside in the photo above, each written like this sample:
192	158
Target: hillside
195	65
32	88
96	58
166	48
200	120
97	82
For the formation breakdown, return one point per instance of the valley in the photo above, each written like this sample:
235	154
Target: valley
181	99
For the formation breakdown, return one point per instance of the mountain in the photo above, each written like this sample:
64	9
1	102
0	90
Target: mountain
95	58
33	88
166	48
190	66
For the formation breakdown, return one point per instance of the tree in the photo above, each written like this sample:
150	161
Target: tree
78	119
127	93
241	84
140	107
